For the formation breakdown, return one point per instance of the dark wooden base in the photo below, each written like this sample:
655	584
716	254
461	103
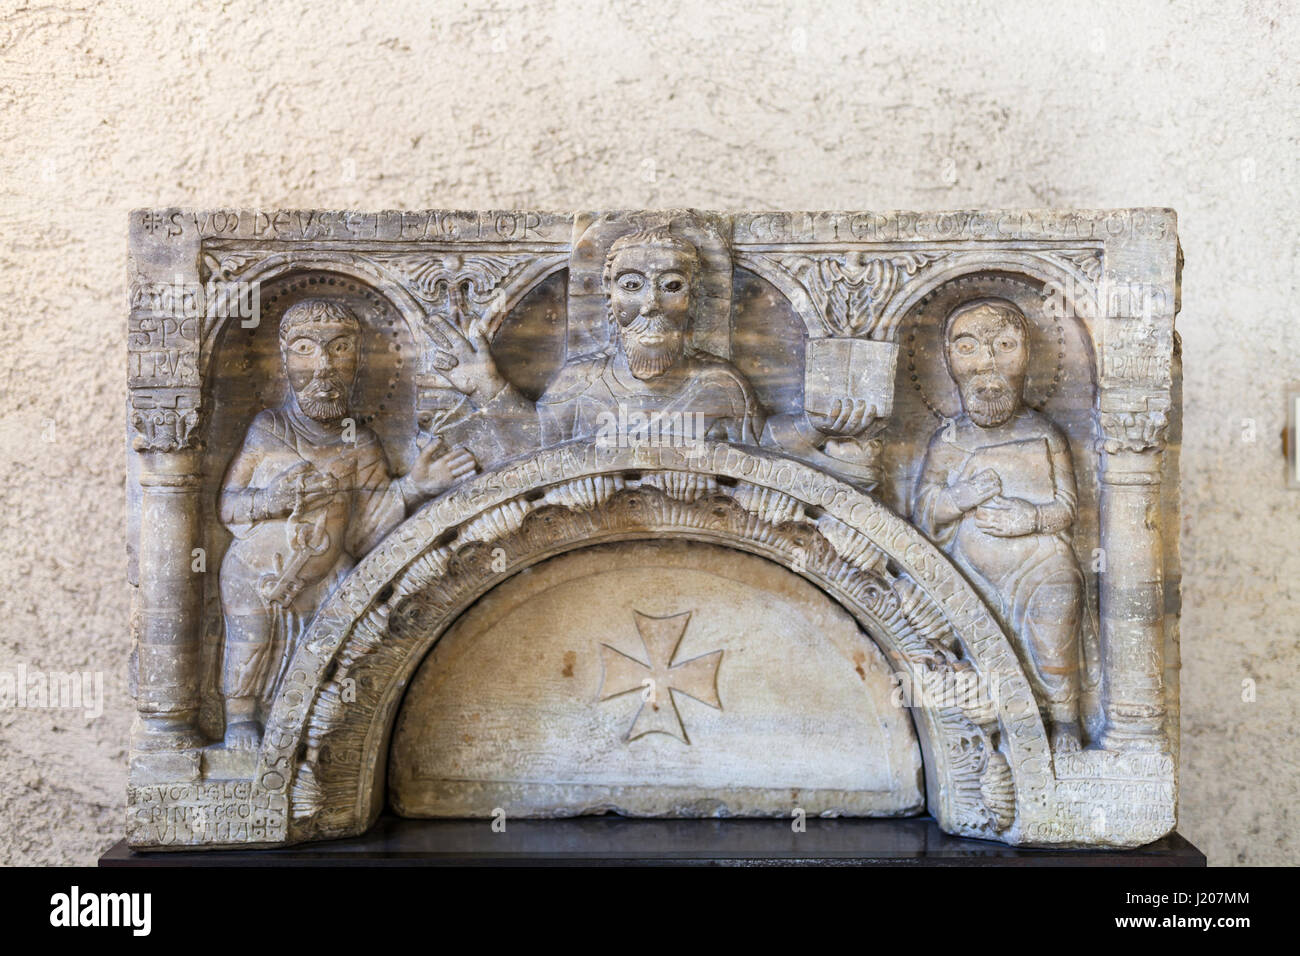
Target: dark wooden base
606	841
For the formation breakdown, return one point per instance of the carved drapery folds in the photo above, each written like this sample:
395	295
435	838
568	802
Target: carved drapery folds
725	378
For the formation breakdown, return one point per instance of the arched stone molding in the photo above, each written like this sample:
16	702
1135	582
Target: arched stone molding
986	756
424	286
254	271
864	293
1074	275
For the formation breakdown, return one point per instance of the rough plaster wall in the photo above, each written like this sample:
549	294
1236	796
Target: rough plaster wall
104	107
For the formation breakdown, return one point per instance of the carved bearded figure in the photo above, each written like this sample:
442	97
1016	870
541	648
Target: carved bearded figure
648	385
997	492
307	495
650	373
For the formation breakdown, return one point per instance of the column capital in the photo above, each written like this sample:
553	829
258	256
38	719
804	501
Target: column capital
1132	421
164	419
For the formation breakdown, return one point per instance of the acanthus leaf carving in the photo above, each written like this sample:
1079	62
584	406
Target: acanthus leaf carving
1133	430
164	419
850	290
466	289
218	267
1088	261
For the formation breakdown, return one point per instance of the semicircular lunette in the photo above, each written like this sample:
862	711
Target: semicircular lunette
374	631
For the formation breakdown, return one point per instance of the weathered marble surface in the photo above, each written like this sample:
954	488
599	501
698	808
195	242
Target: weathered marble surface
956	425
771	696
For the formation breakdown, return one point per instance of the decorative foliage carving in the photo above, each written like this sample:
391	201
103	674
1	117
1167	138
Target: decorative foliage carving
164	419
850	290
1089	262
477	278
219	266
466	289
1133	431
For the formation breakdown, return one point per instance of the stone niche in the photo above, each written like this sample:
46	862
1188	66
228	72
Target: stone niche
656	513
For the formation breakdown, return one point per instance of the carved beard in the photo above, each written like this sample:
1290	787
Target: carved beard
989	399
650	361
323	409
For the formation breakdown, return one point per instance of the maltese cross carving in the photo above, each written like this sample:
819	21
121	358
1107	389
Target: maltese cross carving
658	677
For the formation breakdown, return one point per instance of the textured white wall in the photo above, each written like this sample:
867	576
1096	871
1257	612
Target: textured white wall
104	107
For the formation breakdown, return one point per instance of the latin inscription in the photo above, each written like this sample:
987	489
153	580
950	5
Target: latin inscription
198	813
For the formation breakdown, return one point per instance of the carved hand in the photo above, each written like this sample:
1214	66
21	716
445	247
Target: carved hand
464	360
1007	517
298	488
847	417
975	490
433	475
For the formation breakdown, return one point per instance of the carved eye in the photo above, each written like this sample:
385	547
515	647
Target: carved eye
341	346
303	346
1008	344
965	345
673	284
631	281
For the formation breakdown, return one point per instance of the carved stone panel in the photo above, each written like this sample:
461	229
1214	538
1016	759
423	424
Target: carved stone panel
653	512
660	678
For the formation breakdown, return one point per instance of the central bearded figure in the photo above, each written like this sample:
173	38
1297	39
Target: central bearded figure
650	370
648	381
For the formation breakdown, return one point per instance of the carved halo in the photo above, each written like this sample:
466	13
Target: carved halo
373	394
926	369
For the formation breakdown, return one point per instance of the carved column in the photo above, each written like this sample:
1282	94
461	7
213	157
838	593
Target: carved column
169	600
1132	580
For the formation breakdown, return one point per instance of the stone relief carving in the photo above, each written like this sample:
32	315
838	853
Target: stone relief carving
849	290
721	738
163	422
660	675
997	492
307	493
643	402
767	516
648	383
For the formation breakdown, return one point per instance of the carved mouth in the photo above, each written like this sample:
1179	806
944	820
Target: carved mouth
324	389
324	399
